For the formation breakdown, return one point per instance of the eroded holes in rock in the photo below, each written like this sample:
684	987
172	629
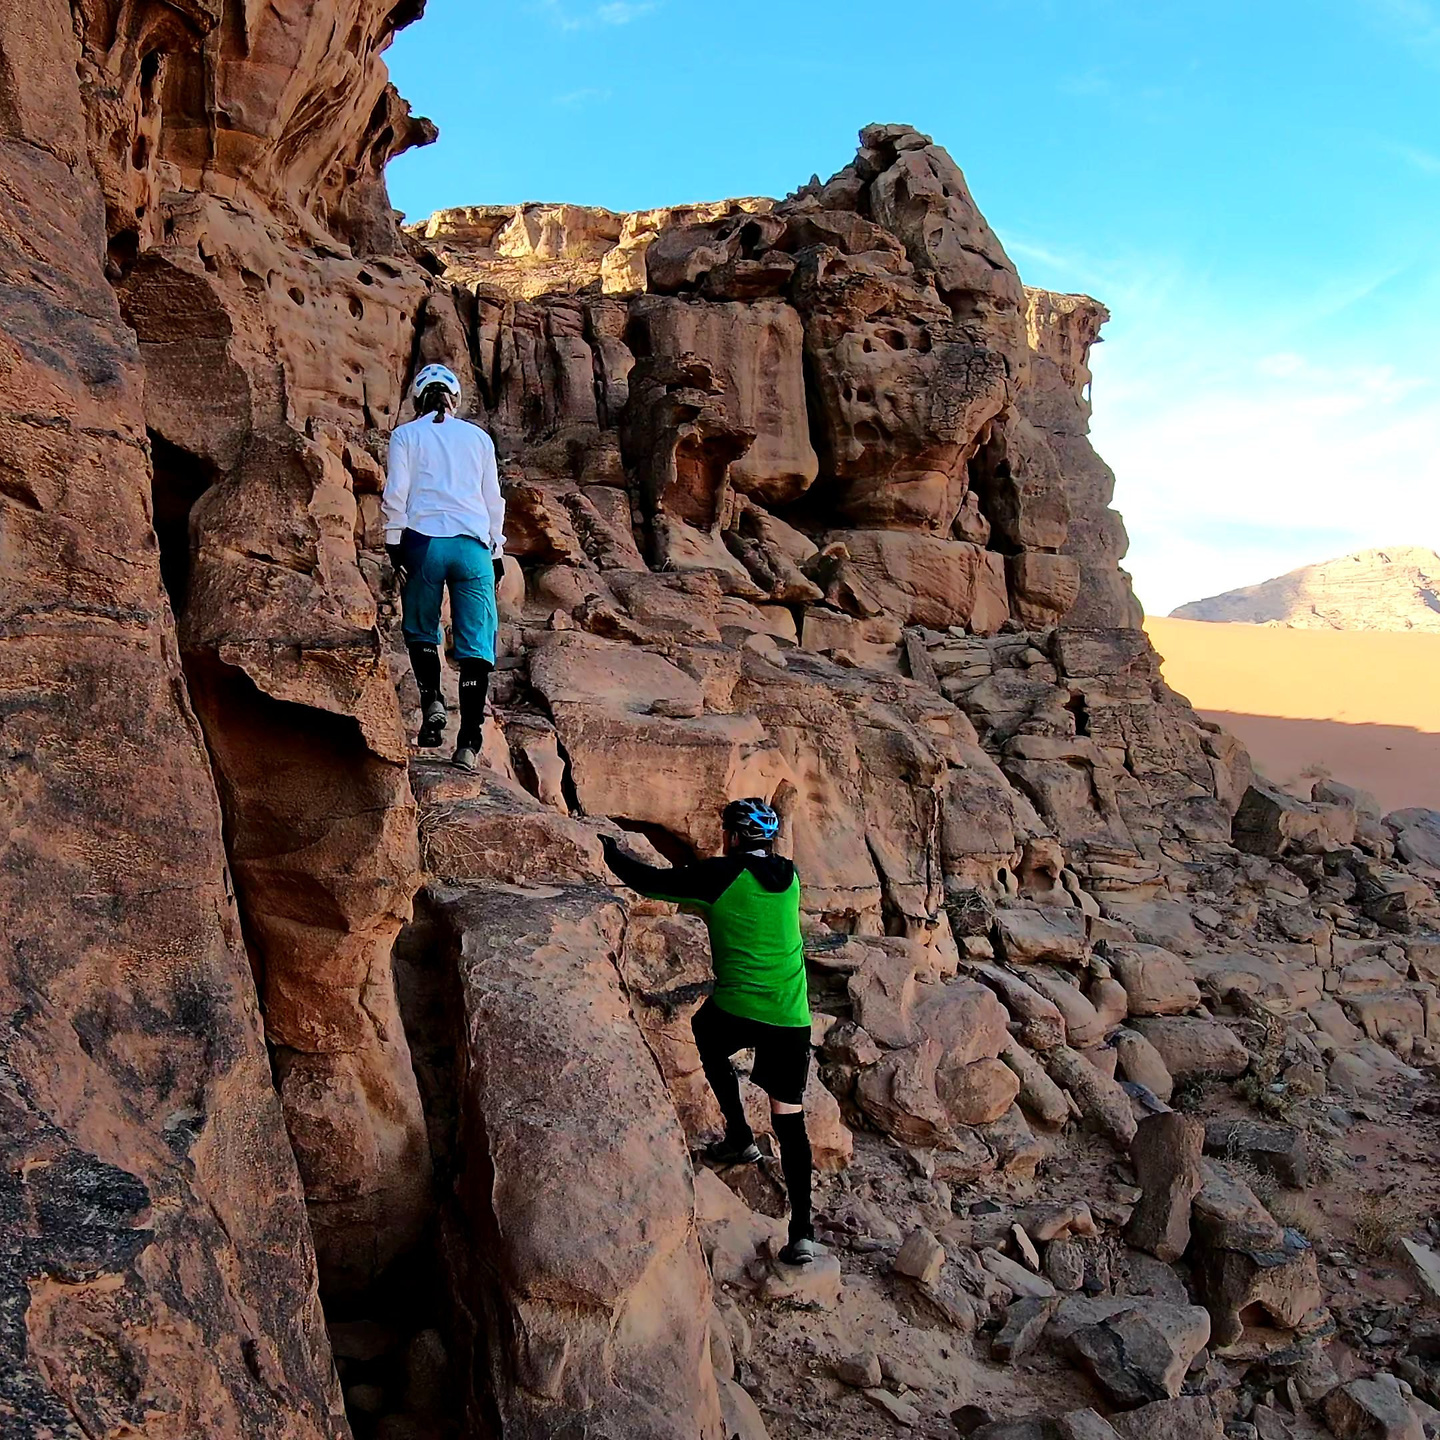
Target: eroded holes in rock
700	466
1077	707
895	339
865	395
357	309
296	294
121	252
177	480
140	152
365	278
149	74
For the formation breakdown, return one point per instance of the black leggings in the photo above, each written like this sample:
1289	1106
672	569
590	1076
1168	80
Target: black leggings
782	1063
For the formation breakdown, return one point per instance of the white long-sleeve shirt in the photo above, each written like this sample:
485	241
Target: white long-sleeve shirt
443	482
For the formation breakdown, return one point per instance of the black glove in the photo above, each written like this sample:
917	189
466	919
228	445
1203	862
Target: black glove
499	568
397	562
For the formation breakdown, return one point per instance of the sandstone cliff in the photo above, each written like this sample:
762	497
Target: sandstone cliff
802	505
1397	588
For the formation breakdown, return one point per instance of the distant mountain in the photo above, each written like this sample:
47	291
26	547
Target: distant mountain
1397	588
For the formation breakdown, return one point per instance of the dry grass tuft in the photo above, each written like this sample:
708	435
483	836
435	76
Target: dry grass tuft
1297	1210
1381	1218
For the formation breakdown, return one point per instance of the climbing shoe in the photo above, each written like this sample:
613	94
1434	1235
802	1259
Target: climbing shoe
724	1153
799	1252
466	759
432	729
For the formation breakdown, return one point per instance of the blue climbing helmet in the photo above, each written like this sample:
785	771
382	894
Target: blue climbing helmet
752	821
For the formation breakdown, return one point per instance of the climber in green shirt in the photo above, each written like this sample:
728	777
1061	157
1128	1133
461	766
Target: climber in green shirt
749	898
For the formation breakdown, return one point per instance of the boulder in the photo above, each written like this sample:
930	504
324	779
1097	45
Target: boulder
1041	934
977	1093
920	1258
1228	1216
1188	1417
1166	1154
1417	835
1194	1046
1042	1026
1141	1353
882	994
1275	1150
1083	1027
1237	1286
565	1106
1270	822
1156	982
1015	1276
815	1286
1020	1329
925	579
1140	1063
1373	1409
1041	1098
1104	1104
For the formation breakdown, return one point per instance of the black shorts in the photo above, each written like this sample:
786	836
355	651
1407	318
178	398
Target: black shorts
782	1052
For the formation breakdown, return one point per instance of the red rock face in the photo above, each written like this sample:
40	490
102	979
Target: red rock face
158	1274
801	505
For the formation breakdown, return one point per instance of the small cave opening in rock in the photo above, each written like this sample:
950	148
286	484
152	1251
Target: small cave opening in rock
402	1371
177	480
1077	707
430	1378
667	842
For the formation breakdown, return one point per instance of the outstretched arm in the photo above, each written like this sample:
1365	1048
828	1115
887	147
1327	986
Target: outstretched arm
699	884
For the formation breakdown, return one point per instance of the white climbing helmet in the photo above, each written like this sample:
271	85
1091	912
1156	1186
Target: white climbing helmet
435	375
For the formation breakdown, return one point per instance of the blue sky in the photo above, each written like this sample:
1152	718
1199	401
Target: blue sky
1252	188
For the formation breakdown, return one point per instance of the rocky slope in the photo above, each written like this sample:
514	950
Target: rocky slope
1397	588
802	505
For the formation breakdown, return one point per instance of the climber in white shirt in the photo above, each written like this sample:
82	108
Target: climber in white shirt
445	526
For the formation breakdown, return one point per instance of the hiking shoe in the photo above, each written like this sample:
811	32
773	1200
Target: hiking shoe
432	728
724	1153
799	1252
466	759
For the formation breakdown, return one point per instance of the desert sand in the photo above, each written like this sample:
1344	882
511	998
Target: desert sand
1362	707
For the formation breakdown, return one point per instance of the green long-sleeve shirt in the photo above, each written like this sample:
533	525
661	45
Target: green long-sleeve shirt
751	907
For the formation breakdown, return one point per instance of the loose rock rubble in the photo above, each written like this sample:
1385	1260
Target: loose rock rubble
1123	1100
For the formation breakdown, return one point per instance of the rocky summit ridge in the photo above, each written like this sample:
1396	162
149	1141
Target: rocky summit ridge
341	1093
1394	588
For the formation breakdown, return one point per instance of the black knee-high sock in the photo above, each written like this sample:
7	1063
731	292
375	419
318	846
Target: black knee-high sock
425	662
726	1085
474	686
795	1163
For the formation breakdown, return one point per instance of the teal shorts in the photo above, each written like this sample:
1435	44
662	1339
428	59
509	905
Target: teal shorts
468	568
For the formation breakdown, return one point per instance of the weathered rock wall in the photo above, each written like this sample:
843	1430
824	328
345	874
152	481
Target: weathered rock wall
157	1273
802	504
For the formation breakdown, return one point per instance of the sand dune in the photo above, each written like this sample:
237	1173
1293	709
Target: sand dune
1361	706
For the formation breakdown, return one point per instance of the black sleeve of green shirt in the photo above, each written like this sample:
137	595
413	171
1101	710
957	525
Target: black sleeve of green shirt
703	882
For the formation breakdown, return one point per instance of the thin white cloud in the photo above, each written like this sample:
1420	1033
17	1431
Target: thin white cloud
1416	23
1258	468
1422	160
569	18
573	99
